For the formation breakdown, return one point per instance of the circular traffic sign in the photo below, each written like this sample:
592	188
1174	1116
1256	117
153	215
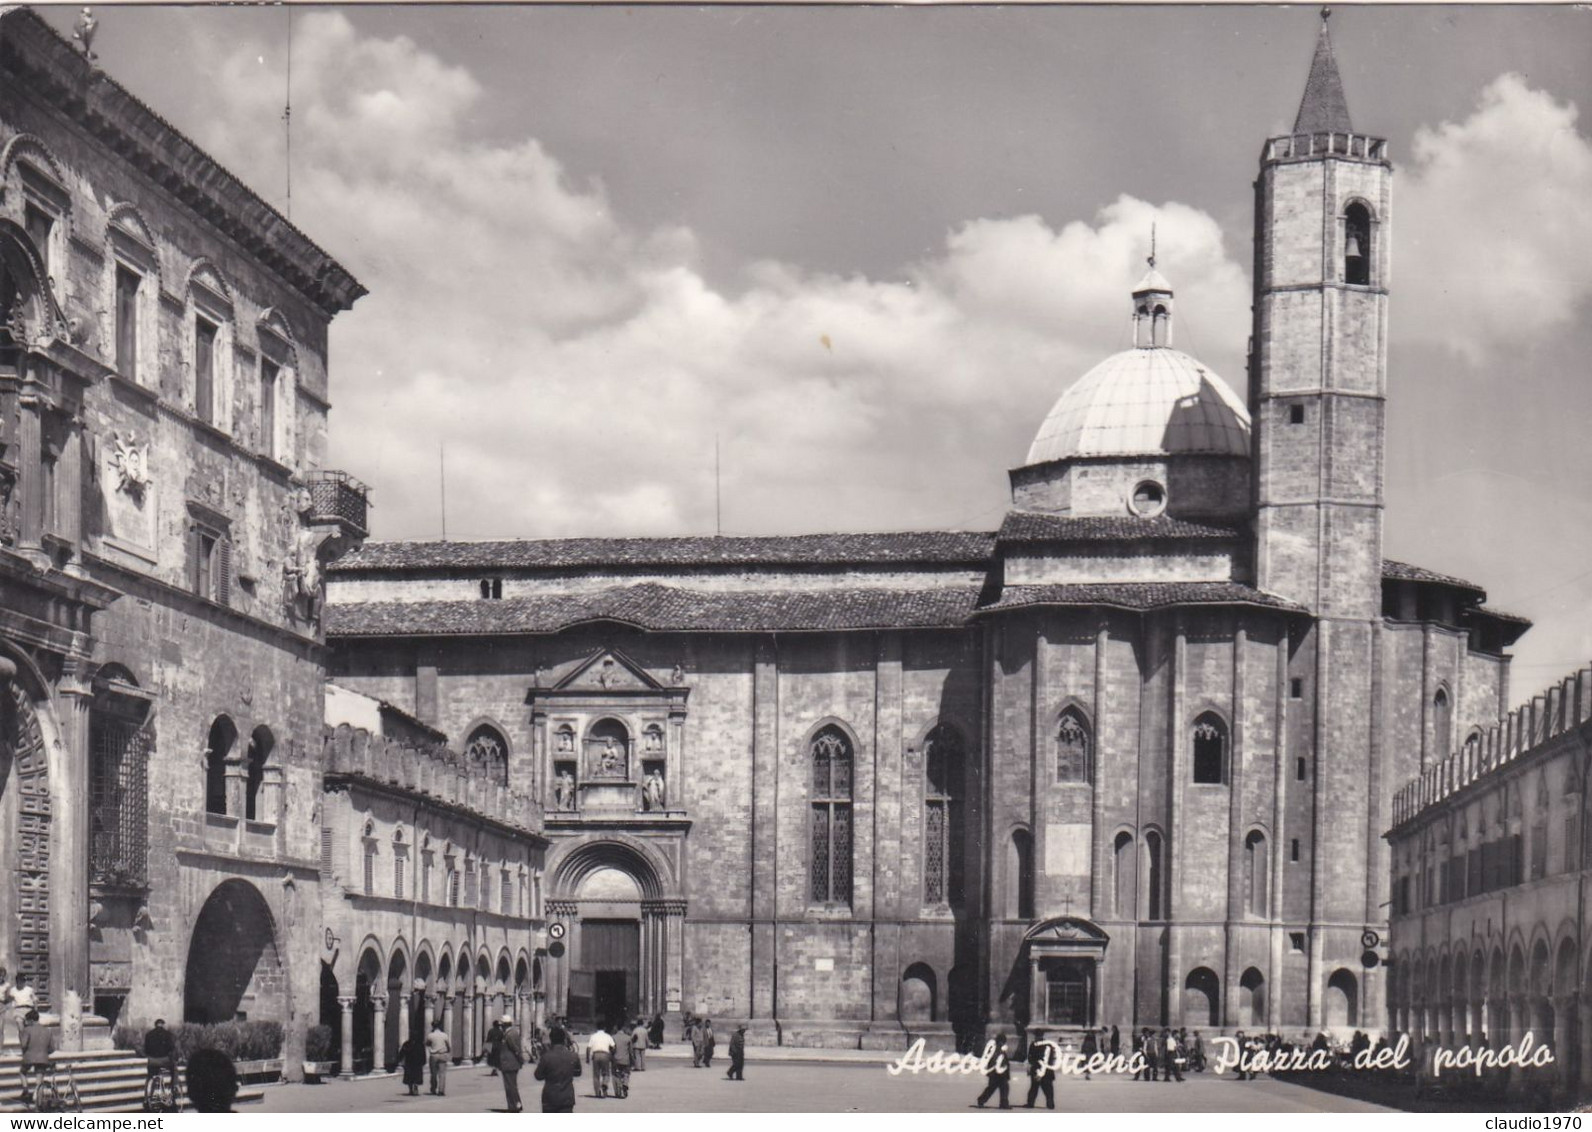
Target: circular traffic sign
556	930
556	949
1369	938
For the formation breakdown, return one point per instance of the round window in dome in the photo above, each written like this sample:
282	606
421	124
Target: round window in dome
1148	500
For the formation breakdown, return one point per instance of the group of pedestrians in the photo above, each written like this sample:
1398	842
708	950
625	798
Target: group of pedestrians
1167	1053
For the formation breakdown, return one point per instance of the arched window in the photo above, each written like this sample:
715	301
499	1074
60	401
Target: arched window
1210	749
1257	874
260	746
832	761
1021	880
488	753
370	858
1343	999
223	736
1153	873
1122	875
1202	998
1357	245
1252	1002
210	352
276	393
1442	726
944	758
1073	753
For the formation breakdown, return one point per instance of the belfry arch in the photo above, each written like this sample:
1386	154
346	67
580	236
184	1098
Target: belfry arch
622	917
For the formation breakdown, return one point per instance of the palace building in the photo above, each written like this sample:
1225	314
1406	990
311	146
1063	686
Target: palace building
1127	760
165	518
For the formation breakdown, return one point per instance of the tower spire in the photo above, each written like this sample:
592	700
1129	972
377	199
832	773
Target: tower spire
1323	110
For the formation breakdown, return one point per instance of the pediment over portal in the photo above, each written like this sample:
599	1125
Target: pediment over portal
608	670
1073	930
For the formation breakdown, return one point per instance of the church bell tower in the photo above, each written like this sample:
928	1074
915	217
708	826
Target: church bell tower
1318	384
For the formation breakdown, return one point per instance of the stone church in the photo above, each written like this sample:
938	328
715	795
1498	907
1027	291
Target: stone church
1127	760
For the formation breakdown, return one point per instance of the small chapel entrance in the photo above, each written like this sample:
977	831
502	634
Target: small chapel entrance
1060	962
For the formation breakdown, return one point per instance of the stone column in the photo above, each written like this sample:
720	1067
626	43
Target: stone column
429	1002
346	1066
674	955
30	480
467	1047
69	844
378	1033
447	1019
1564	1060
405	1008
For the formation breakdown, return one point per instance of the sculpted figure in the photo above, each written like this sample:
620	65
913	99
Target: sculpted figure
652	791
564	791
610	759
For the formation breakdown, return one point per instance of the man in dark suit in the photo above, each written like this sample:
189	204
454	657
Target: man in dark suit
999	1075
1042	1058
557	1071
510	1058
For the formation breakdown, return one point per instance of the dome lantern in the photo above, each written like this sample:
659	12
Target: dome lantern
1152	306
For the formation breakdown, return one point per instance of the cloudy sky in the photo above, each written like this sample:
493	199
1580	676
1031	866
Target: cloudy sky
867	248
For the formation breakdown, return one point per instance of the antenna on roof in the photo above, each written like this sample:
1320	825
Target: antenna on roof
1151	260
718	495
442	476
287	111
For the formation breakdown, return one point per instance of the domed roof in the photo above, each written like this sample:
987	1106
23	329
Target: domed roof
1148	401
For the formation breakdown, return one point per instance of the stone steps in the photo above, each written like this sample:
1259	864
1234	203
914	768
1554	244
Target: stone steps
107	1081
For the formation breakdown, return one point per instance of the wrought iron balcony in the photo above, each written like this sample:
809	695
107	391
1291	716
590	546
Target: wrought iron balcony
337	497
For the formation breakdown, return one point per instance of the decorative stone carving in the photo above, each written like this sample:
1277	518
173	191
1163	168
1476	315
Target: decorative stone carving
564	791
652	799
130	461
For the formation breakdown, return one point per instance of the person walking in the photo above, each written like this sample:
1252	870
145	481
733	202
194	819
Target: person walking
638	1046
1041	1070
412	1057
23	999
494	1038
510	1060
999	1077
693	1034
1091	1048
600	1055
621	1061
1152	1053
655	1032
557	1071
439	1051
1171	1056
738	1054
709	1042
1116	1042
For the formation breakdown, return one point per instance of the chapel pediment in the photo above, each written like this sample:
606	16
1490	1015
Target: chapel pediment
608	670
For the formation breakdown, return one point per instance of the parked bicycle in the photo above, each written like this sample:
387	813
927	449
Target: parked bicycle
162	1088
52	1091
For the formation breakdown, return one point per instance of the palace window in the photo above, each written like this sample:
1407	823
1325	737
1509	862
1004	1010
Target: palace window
1021	880
942	819
128	283
210	561
400	853
1442	726
1210	749
205	334
261	744
119	747
223	736
832	762
506	894
1073	754
492	588
1122	874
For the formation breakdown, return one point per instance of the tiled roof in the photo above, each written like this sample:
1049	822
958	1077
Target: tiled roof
1404	572
660	608
1032	526
1500	615
1139	595
907	547
1323	109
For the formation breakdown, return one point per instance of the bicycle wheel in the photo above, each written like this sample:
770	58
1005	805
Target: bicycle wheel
70	1100
44	1098
154	1101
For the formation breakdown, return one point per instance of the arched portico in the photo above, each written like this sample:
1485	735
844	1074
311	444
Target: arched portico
622	920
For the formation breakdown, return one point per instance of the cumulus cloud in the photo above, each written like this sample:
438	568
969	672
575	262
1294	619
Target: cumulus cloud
1493	228
579	370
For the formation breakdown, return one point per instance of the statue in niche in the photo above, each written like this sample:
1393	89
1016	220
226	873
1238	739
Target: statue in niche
610	761
653	738
677	677
652	791
566	741
564	791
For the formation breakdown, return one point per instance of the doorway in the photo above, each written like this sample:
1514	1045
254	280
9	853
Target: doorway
610	1002
611	951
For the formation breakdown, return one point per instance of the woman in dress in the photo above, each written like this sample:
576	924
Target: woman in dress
412	1056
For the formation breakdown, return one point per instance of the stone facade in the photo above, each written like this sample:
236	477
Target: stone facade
1489	930
431	896
1126	760
163	414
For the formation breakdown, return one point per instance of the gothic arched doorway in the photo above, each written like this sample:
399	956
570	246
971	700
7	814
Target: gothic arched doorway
234	971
